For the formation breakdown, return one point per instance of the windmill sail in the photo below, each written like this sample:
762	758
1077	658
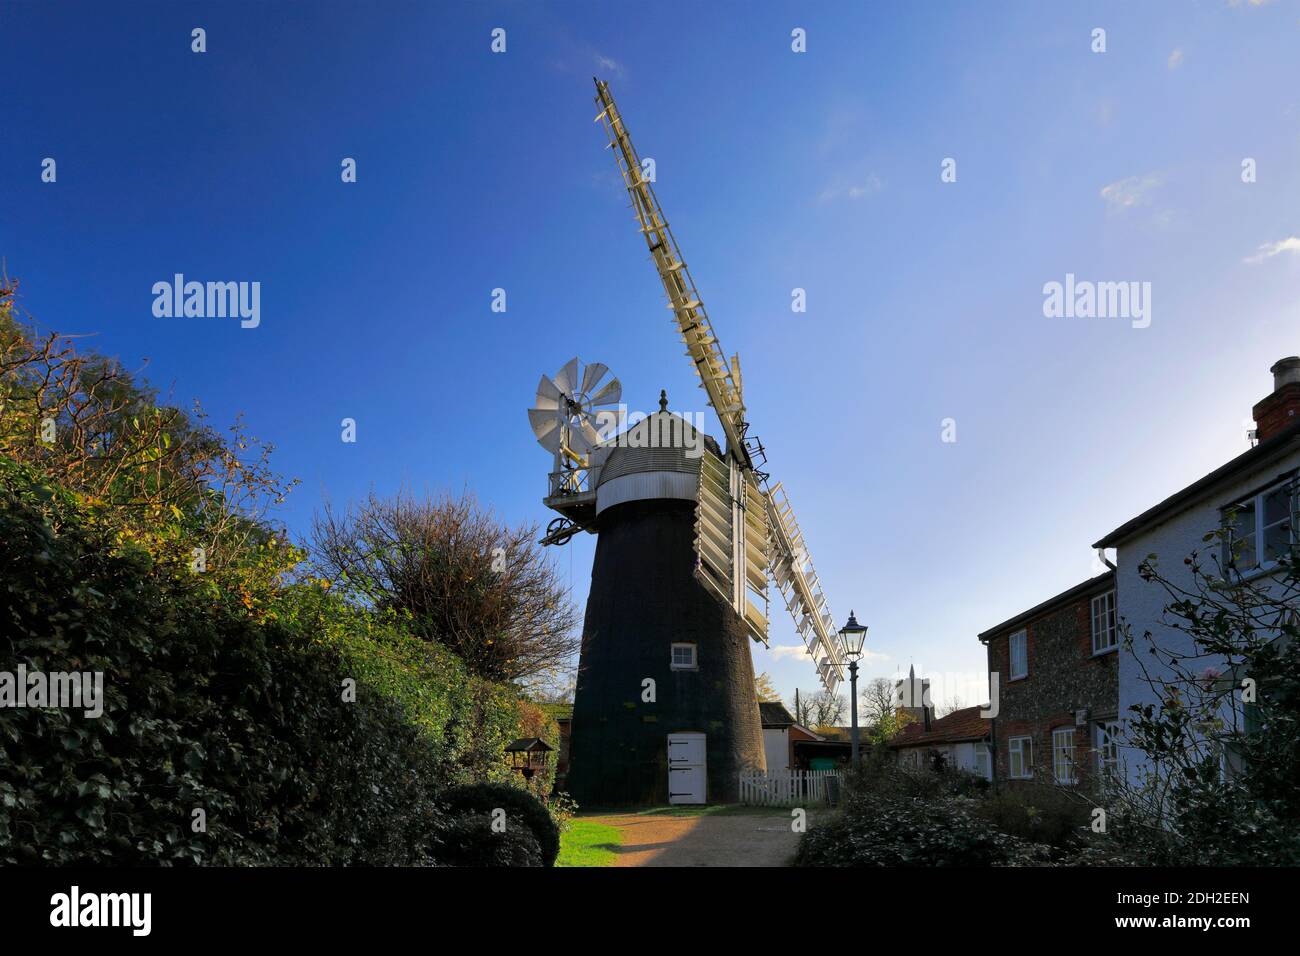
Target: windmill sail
733	514
731	540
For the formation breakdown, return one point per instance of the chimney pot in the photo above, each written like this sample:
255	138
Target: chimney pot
1285	371
1281	408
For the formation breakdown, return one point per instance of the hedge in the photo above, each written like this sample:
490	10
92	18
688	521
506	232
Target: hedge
205	708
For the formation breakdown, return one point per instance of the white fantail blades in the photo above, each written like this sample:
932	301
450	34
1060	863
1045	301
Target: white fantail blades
548	394
592	374
566	379
546	427
609	395
567	418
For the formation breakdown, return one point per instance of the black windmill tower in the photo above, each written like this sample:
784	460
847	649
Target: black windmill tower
688	533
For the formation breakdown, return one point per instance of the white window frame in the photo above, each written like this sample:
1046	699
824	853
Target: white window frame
1256	502
1107	737
695	660
1063	768
1023	633
983	761
1105	623
1016	747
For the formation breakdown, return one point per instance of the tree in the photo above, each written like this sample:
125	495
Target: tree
765	689
876	701
552	685
171	481
485	590
879	712
943	710
822	709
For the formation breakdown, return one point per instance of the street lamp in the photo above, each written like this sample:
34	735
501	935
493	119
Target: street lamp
852	636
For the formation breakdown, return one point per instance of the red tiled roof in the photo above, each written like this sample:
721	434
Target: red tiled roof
964	724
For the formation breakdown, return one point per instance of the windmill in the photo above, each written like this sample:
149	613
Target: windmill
689	533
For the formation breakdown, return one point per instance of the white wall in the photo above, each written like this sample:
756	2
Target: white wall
960	756
963	758
1141	605
776	746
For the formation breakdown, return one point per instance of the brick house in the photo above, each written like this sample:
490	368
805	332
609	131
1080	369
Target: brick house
1057	686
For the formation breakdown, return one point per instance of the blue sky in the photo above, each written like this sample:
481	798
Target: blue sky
777	171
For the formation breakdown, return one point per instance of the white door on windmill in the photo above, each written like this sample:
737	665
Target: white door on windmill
686	768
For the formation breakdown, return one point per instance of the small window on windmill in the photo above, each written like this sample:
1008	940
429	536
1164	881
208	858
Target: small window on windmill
683	658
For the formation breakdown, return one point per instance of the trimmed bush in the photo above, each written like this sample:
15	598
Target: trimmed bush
469	840
519	805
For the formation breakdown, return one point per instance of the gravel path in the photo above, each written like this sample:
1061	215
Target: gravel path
730	839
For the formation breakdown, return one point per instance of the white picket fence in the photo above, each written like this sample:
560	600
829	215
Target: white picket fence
784	788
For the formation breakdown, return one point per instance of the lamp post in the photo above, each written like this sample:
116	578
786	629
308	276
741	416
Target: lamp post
852	636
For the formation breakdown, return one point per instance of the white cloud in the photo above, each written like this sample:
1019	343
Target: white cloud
781	651
609	64
1175	59
1268	250
1129	192
870	185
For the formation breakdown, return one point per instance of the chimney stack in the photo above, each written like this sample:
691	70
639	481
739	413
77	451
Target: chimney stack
1282	408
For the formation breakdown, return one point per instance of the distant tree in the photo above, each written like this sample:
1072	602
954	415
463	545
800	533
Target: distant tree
485	590
878	711
877	699
888	727
554	685
765	689
826	710
943	710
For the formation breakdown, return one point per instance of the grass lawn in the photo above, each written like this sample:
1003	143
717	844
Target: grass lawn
588	844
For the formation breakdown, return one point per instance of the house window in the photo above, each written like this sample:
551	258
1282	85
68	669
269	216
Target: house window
1260	529
1020	752
1019	654
1105	633
983	765
1063	756
1108	748
684	657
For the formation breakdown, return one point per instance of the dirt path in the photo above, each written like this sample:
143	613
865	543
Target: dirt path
727	839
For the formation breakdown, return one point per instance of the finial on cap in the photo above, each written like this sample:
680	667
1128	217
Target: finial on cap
663	400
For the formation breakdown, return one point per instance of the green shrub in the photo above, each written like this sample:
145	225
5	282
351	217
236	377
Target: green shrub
897	816
470	840
519	805
204	708
1039	814
465	720
943	831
